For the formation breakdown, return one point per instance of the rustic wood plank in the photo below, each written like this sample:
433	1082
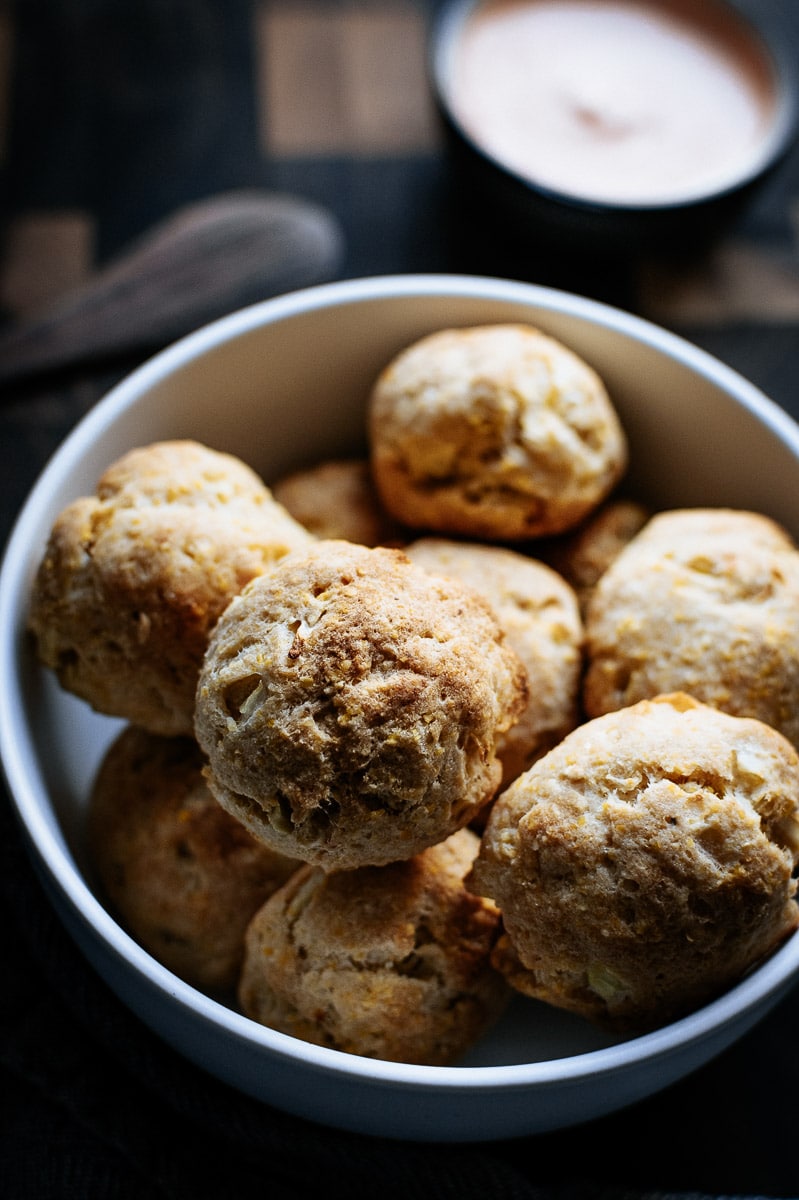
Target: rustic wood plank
344	80
46	254
739	280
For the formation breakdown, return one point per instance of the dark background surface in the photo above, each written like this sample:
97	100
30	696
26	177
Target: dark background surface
113	113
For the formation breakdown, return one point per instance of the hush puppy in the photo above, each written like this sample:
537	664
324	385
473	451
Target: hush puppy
645	863
350	704
704	601
496	432
183	876
133	579
389	962
583	555
337	499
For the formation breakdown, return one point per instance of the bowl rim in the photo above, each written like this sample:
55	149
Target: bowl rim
451	18
766	981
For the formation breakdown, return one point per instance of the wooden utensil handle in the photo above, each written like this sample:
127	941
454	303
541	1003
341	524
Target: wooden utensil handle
206	260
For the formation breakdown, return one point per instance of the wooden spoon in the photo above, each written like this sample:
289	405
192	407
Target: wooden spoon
206	260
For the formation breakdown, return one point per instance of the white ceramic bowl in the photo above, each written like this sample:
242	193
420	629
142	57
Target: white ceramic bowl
282	384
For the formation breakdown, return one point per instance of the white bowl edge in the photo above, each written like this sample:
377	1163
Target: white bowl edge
619	1074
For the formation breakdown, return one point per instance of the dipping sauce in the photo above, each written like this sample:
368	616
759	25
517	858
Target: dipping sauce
621	101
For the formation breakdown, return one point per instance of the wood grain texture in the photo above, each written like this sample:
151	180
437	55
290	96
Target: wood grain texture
204	261
344	80
46	254
740	280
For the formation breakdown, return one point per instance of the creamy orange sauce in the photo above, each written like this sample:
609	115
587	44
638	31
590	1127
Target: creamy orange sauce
614	100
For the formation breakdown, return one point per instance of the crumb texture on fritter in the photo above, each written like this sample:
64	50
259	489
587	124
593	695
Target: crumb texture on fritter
337	499
537	610
350	705
183	876
704	601
493	432
583	555
133	578
645	864
387	962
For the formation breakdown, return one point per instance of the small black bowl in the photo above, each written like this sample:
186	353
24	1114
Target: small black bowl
492	203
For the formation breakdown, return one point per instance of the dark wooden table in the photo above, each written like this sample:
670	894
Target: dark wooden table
114	114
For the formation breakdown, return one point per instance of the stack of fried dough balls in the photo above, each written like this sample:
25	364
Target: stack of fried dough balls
349	706
373	791
131	582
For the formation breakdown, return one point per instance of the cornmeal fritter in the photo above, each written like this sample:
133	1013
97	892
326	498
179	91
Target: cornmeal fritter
645	863
495	432
183	875
389	962
132	579
350	705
